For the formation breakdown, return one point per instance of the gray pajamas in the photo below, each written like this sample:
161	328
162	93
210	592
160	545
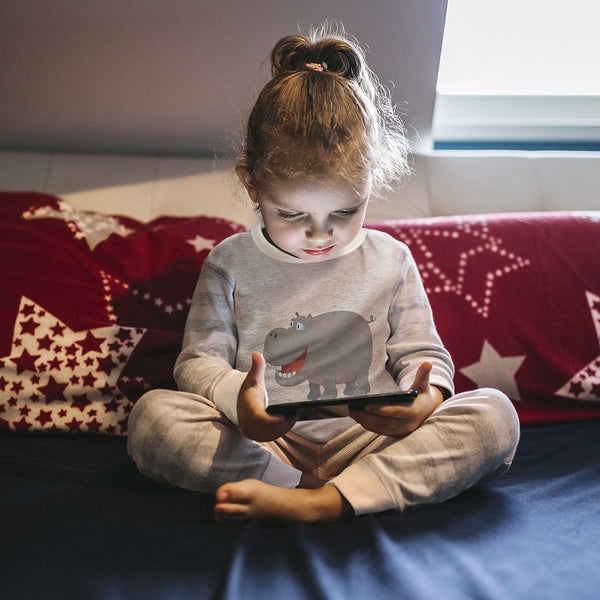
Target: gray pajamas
186	441
357	322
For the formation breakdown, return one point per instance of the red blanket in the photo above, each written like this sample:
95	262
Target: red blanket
93	307
516	299
92	310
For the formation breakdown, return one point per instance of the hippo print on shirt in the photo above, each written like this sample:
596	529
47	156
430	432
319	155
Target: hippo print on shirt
327	350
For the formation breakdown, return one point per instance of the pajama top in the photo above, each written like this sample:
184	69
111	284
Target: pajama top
357	322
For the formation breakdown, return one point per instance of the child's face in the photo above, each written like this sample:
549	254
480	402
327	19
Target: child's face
312	219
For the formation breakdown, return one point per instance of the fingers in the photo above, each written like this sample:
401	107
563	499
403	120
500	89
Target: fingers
265	428
383	425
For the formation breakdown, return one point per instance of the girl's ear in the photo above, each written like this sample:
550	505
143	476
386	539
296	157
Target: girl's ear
246	179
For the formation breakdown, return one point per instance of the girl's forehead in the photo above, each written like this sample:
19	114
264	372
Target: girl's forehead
313	194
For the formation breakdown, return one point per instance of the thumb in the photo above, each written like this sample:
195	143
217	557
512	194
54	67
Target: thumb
256	374
421	382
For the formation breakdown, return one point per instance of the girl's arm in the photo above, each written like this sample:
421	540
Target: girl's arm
205	364
414	339
417	360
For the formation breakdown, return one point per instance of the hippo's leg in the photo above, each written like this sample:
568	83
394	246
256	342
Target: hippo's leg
329	389
350	389
314	391
362	384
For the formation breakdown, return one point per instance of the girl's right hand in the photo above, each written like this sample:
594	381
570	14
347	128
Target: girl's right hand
254	421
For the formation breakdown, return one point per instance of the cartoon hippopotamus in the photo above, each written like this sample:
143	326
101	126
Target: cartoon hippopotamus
326	350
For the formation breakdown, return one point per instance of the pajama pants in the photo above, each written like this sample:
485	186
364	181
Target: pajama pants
183	439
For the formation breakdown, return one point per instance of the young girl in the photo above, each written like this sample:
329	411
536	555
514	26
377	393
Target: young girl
333	309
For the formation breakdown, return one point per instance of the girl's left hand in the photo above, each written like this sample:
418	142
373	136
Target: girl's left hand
396	420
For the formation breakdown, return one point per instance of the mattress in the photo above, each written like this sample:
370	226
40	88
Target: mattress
80	522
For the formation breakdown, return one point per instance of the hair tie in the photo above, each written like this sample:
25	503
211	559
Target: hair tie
322	66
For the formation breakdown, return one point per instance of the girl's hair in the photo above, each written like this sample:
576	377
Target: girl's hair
330	120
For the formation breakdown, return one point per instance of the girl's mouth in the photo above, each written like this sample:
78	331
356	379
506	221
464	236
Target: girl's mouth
318	251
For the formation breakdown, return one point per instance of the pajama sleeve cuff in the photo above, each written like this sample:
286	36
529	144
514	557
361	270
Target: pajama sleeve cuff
226	392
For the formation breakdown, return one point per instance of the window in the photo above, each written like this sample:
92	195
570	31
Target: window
519	74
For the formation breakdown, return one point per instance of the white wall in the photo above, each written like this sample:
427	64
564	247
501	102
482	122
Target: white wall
443	184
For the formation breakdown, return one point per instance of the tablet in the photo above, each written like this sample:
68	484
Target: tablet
336	407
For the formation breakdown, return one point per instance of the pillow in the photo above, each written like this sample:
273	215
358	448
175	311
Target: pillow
516	300
92	310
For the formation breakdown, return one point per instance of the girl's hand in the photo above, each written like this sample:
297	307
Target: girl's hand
255	422
396	420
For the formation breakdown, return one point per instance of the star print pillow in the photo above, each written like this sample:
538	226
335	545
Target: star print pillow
92	310
516	300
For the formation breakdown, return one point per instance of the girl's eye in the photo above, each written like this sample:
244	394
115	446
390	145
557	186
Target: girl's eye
344	214
290	216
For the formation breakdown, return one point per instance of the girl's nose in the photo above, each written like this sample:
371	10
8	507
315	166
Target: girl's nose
319	232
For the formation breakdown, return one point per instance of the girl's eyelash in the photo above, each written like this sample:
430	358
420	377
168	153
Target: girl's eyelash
340	214
346	212
290	216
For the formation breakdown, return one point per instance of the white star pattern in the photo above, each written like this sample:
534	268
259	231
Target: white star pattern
91	226
585	385
201	243
107	282
57	378
157	302
480	242
495	371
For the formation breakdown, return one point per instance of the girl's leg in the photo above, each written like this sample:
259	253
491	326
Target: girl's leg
470	438
184	440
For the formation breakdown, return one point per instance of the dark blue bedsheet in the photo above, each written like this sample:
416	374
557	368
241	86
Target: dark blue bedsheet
79	522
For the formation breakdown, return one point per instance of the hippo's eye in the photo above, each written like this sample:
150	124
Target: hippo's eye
292	323
300	326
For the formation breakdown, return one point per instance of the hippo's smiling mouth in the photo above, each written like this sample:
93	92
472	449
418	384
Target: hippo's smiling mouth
290	370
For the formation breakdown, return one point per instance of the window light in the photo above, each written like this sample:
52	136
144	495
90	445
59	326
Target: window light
519	74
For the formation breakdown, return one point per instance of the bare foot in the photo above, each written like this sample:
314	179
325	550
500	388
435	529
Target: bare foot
251	499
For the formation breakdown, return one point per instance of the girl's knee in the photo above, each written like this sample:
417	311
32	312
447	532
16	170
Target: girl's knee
505	418
501	417
147	409
493	412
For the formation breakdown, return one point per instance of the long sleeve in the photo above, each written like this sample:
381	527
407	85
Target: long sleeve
414	338
206	363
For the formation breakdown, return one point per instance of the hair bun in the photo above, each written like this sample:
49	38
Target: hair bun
290	55
337	54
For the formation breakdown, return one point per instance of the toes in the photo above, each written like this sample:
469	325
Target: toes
234	492
223	494
225	513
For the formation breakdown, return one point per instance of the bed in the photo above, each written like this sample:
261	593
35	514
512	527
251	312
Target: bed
91	316
80	522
